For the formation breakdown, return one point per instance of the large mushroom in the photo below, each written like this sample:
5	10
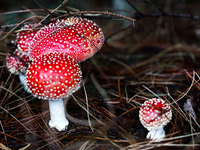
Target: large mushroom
54	76
154	115
79	38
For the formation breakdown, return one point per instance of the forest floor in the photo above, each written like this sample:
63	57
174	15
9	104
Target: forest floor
154	57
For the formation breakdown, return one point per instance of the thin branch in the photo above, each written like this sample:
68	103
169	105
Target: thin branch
134	8
78	7
174	15
50	13
61	3
188	10
155	7
64	2
97	13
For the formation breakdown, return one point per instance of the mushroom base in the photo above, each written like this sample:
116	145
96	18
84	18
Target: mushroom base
156	134
57	115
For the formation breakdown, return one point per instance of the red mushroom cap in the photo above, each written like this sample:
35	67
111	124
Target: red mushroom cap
87	29
77	37
155	113
18	62
53	76
25	36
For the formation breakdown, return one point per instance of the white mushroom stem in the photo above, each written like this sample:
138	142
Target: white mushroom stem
22	79
156	134
57	115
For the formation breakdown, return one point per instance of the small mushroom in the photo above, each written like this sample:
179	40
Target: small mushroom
54	76
154	115
17	63
79	38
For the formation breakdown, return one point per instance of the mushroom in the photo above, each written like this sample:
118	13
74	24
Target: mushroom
54	76
17	63
154	115
79	38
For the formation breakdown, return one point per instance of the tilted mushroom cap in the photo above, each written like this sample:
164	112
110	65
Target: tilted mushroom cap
53	76
87	29
77	37
155	113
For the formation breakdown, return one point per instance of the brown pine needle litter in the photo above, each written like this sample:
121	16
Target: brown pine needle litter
151	50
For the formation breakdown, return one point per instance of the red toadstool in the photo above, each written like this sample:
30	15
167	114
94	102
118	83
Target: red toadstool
154	115
17	63
80	38
54	76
